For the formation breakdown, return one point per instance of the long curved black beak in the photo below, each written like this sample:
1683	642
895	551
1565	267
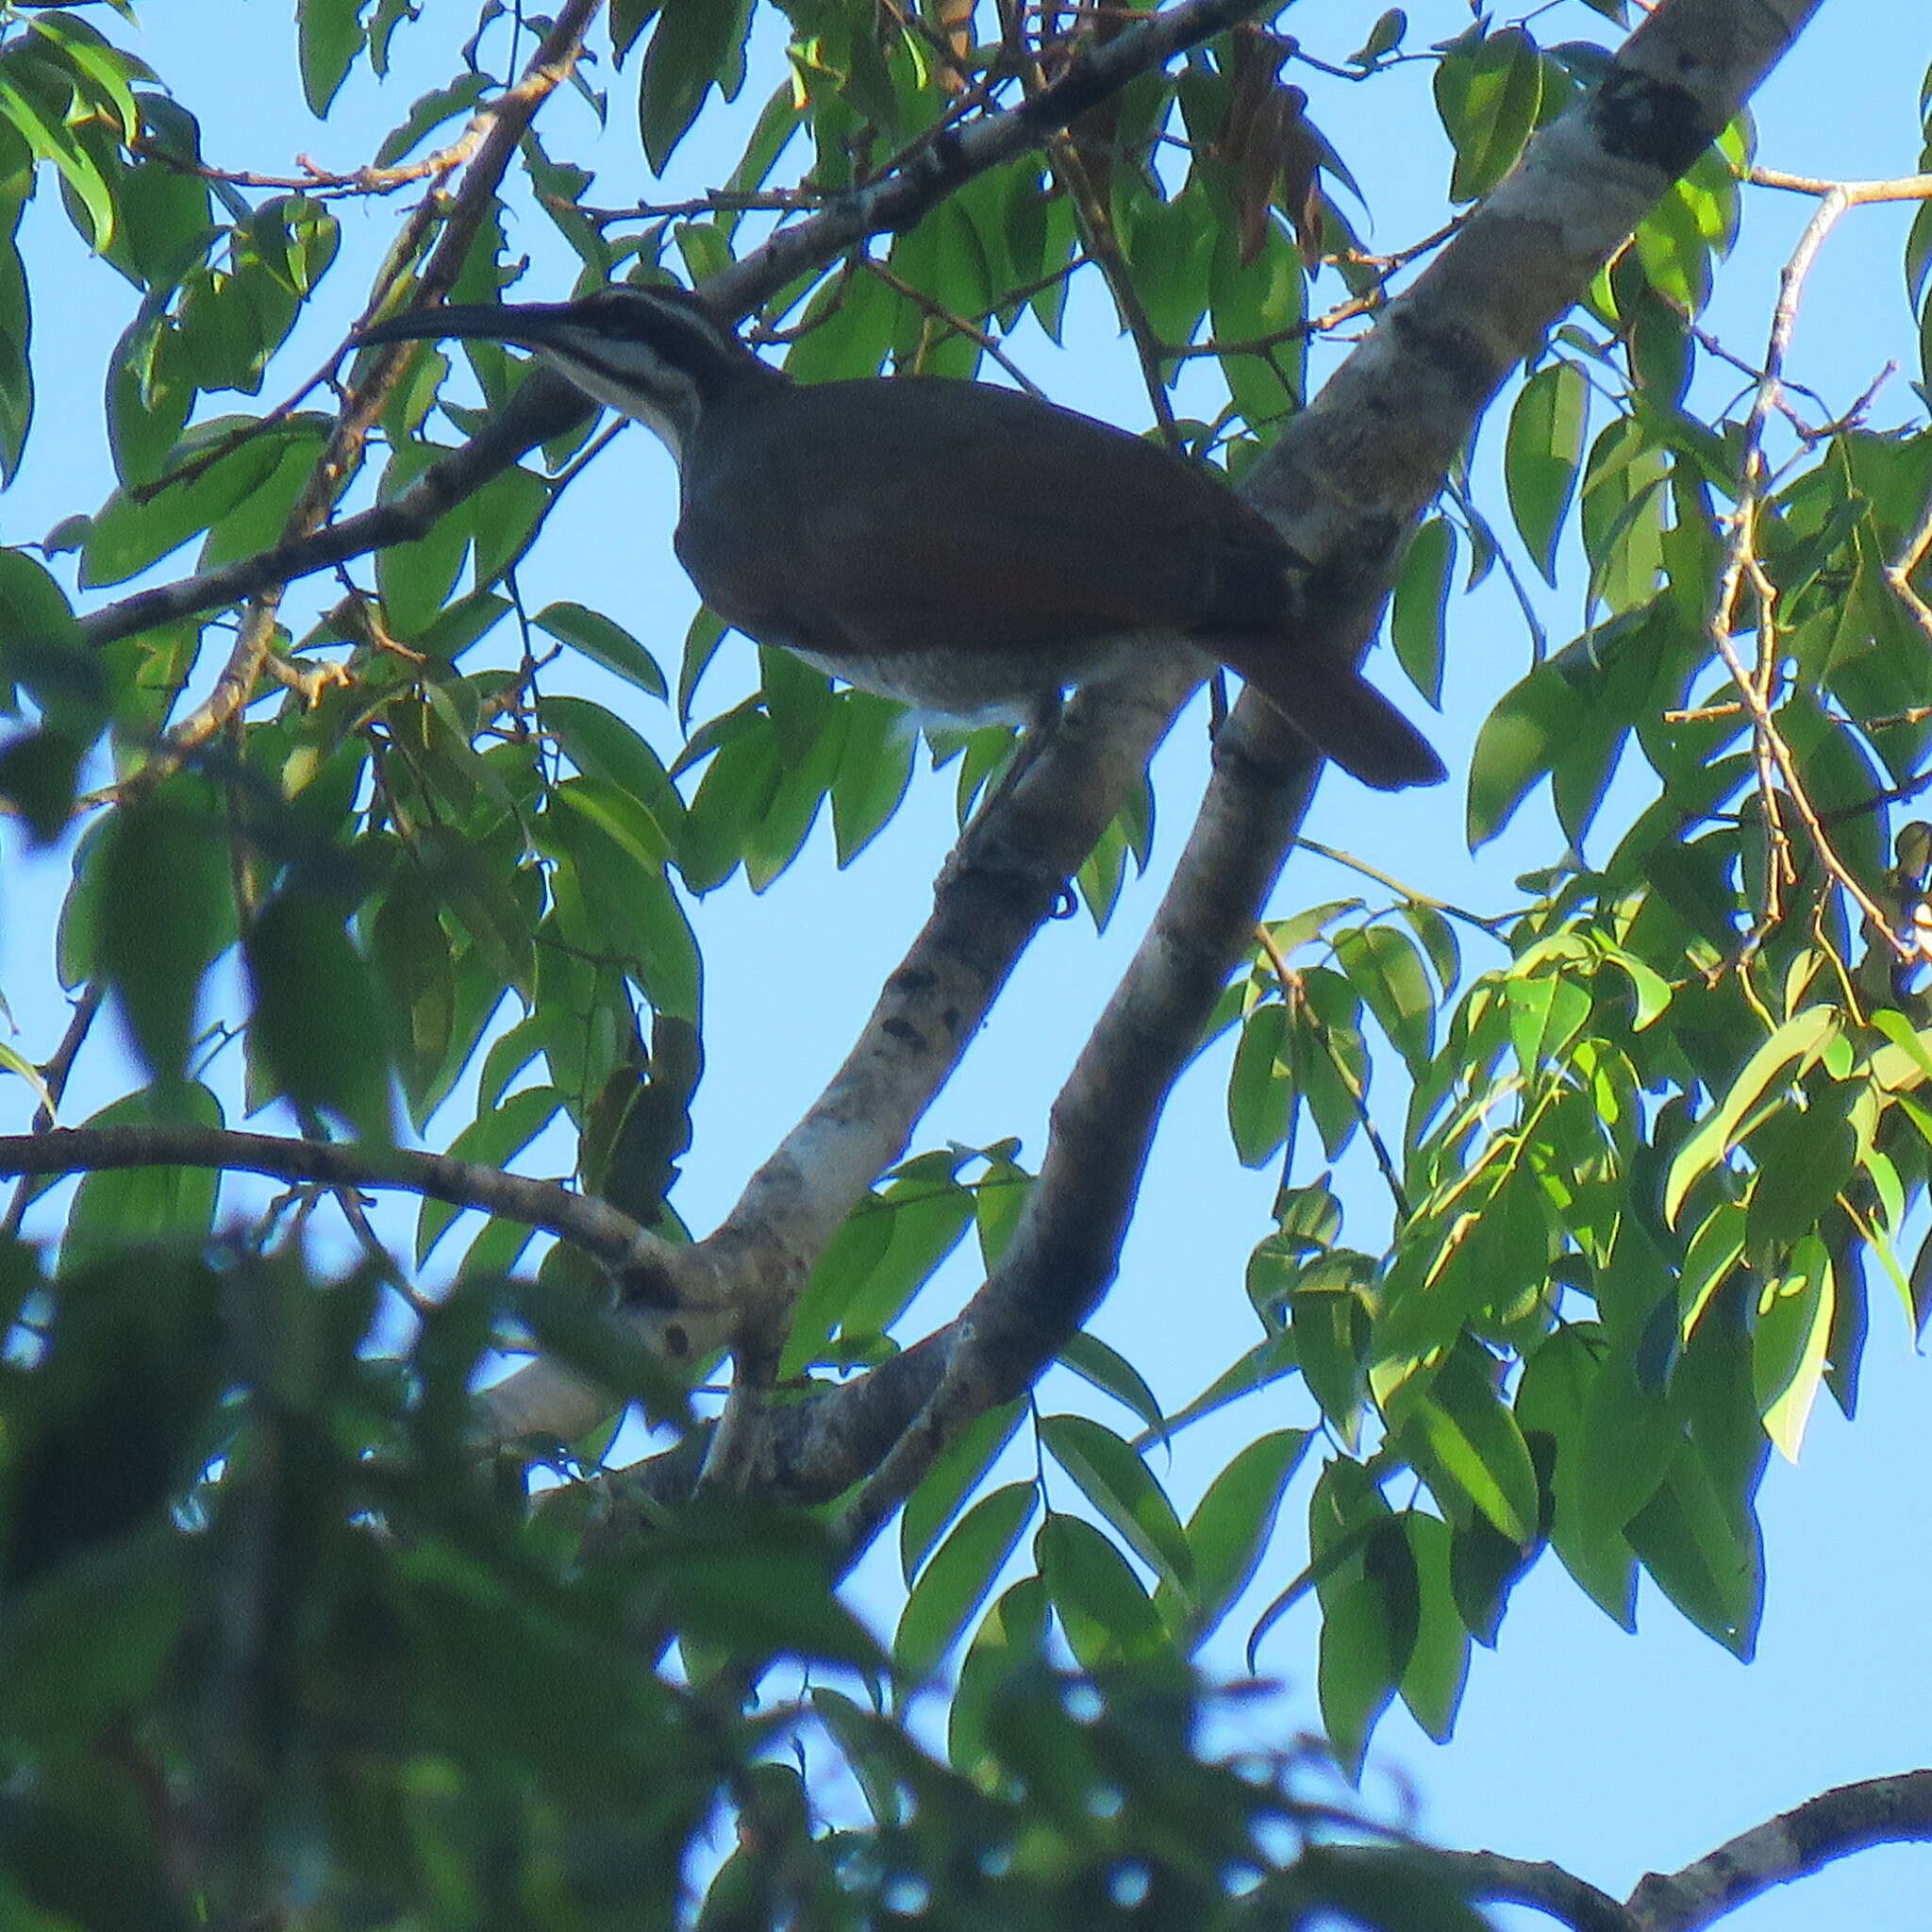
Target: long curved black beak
524	325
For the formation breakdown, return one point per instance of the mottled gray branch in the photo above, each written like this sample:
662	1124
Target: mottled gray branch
1795	1844
1066	1249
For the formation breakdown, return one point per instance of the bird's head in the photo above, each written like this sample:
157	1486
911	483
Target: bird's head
657	354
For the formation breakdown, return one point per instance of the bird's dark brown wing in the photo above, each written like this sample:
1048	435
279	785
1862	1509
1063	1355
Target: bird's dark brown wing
952	518
1018	527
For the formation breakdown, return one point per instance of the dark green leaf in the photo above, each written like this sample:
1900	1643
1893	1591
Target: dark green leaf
955	1582
166	912
1432	1685
1230	1527
1111	1373
330	38
1103	1607
318	1031
1418	614
1115	1480
116	1207
951	1479
696	45
1542	455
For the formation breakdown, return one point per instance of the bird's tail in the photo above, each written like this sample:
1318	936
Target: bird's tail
1336	709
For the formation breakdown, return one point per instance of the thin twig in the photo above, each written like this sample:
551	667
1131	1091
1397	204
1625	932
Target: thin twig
1493	925
958	324
1757	688
1294	999
319	183
1846	194
599	1229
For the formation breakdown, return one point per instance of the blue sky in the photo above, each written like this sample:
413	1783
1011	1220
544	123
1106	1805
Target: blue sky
1608	1753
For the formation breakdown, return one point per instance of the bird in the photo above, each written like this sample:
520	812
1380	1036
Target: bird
963	548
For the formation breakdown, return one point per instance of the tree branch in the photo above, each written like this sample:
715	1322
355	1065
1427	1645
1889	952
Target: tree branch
1795	1844
991	900
1066	1248
631	1252
1539	1884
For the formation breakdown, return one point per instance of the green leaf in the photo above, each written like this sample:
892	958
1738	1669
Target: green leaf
1369	1615
1806	1157
1623	512
954	1583
1326	1321
1388	1888
628	19
416	578
874	769
1794	1045
1418	615
696	45
42	127
41	646
1524	738
618	816
1547	1012
603	643
429	112
601	746
1438	1670
951	1479
1230	1527
1628	1441
1474	1439
329	36
1109	1371
1386	969
1789	1348
493	1139
116	1208
1010	1636
102	71
1674	248
1707	1556
1103	1609
258	520
411	952
505	516
1488	97
128	535
873	1267
88	1640
317	1030
1542	455
1550	1402
1119	1485
166	912
1260	1098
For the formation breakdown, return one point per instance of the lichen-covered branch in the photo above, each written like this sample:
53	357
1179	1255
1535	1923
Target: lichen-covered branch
1795	1844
